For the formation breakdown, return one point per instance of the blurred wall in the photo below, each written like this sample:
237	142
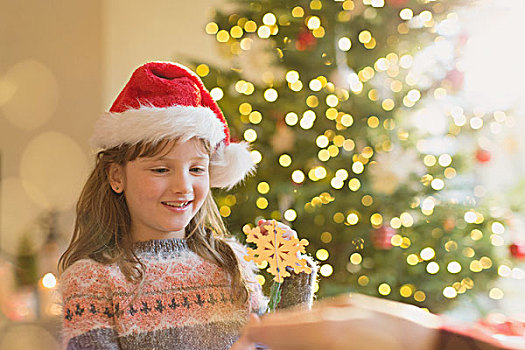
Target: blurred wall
62	63
137	31
51	64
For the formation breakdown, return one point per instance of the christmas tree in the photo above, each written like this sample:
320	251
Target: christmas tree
360	145
26	263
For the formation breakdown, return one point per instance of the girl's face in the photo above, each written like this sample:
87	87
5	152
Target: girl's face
163	193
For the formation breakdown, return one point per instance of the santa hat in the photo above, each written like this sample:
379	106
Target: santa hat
165	100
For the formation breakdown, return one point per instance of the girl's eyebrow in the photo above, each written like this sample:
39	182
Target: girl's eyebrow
170	158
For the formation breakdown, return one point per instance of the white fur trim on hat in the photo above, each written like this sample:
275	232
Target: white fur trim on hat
152	124
230	164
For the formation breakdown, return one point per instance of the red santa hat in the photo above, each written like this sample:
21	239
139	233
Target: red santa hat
165	100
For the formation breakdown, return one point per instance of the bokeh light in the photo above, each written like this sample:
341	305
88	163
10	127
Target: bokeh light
56	165
28	94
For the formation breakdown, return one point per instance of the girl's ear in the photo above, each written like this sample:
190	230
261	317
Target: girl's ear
116	177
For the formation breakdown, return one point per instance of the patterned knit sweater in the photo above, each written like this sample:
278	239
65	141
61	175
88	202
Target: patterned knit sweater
186	302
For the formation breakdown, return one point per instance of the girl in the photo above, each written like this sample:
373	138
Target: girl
150	264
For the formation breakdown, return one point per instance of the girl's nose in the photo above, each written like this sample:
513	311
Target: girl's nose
181	183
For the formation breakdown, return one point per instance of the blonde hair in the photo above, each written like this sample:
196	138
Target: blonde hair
103	222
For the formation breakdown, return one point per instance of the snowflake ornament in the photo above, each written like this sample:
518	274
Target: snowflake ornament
278	251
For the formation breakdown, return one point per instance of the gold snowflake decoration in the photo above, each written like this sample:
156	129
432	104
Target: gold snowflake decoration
279	252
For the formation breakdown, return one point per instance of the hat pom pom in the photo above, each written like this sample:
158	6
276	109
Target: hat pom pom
230	165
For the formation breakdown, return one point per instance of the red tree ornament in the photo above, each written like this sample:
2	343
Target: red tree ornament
482	155
305	40
397	3
456	79
517	250
382	237
449	224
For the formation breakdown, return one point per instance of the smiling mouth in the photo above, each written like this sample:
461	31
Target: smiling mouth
177	204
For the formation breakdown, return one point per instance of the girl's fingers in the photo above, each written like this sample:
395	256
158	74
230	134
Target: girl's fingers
288	232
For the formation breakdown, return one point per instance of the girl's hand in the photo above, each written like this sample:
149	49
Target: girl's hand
288	232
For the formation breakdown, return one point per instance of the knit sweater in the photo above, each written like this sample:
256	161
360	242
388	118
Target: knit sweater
186	302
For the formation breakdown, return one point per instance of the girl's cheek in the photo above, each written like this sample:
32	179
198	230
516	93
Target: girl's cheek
148	187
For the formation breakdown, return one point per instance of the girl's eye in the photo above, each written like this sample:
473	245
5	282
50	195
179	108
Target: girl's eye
197	170
159	170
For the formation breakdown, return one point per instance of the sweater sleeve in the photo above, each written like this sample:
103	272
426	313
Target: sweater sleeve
88	310
258	301
298	288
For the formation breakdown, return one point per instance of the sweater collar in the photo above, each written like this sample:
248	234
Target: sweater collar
161	246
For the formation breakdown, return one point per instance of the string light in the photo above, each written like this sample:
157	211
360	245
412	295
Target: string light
261	203
322	254
225	211
412	259
264	32
202	70
406	290
365	37
236	32
269	19
263	187
344	44
432	267
223	36
297	11
291	118
270	95
384	289
326	270
427	253
250	26
250	135
49	281
315	85
285	160
255	117
292	76
298	176
352	218
313	22
290	215
496	294
217	93
212	28
449	292
376	219
394	222
316	5
358	167
342	174
326	237
497	228
356	258
373	122
354	184
419	296
363	280
454	267
256	156
406	14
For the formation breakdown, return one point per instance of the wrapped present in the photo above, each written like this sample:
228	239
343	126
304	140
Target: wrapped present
359	322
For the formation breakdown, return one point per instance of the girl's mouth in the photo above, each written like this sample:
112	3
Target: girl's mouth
177	205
